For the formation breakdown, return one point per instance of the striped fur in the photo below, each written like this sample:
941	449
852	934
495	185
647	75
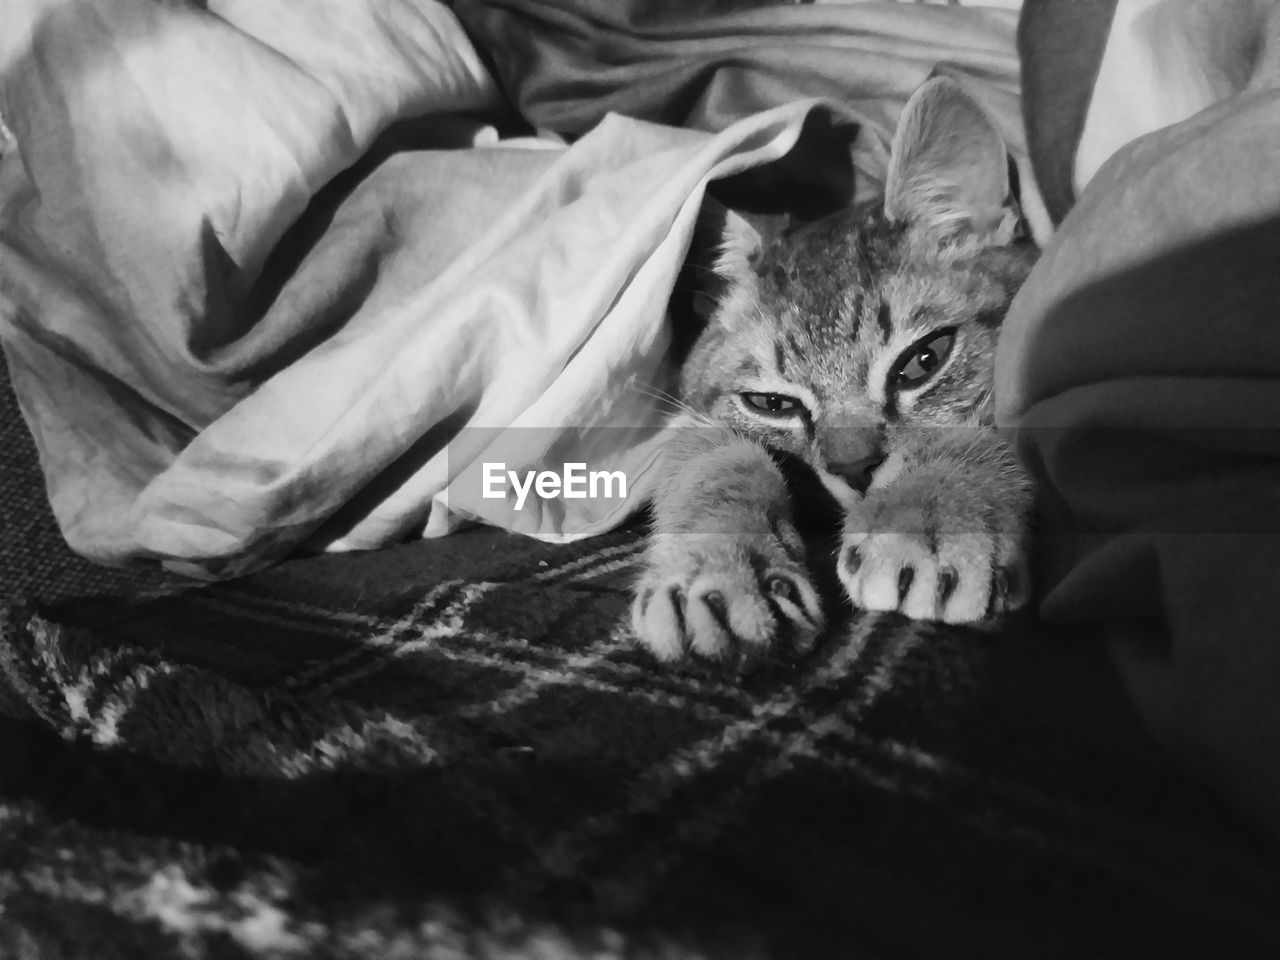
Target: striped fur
863	346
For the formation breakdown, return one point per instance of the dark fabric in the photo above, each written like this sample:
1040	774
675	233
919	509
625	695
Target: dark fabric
35	561
1060	46
566	63
452	746
1140	365
177	770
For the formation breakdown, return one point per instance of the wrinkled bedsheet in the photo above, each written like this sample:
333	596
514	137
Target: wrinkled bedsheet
1140	363
270	278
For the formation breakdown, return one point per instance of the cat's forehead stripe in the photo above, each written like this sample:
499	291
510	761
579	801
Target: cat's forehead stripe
884	320
848	319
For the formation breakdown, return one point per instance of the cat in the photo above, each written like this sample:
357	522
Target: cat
861	344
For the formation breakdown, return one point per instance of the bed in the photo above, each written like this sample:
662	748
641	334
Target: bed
274	282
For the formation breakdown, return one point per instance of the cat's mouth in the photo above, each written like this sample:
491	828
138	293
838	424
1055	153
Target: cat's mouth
848	486
841	485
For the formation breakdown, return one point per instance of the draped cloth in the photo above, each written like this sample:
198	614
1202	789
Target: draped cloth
278	276
1140	364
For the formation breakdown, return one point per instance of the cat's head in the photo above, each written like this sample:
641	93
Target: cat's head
831	335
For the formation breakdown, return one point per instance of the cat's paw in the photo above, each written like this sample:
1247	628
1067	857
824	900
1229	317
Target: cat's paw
725	597
938	555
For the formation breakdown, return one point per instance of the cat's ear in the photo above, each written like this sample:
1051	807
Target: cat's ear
731	246
739	247
949	168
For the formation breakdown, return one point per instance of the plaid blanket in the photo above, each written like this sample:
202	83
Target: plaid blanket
453	749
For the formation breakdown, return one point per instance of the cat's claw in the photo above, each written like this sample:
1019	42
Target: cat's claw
723	598
901	562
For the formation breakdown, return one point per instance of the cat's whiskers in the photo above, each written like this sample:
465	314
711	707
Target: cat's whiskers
675	403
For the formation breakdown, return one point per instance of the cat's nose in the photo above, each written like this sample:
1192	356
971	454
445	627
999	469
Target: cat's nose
858	473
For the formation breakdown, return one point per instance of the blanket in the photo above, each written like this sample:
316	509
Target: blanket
444	749
450	749
275	279
1138	365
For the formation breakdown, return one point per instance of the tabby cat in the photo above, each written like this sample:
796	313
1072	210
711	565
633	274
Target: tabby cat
862	345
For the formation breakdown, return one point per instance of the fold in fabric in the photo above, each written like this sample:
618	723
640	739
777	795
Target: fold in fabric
703	64
1140	365
268	281
709	63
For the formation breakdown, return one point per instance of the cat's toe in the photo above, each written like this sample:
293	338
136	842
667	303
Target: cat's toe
724	603
965	592
918	590
728	621
658	620
1014	584
797	606
738	616
963	579
884	572
712	619
982	579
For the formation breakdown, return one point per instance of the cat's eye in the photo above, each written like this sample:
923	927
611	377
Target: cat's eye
774	404
922	359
